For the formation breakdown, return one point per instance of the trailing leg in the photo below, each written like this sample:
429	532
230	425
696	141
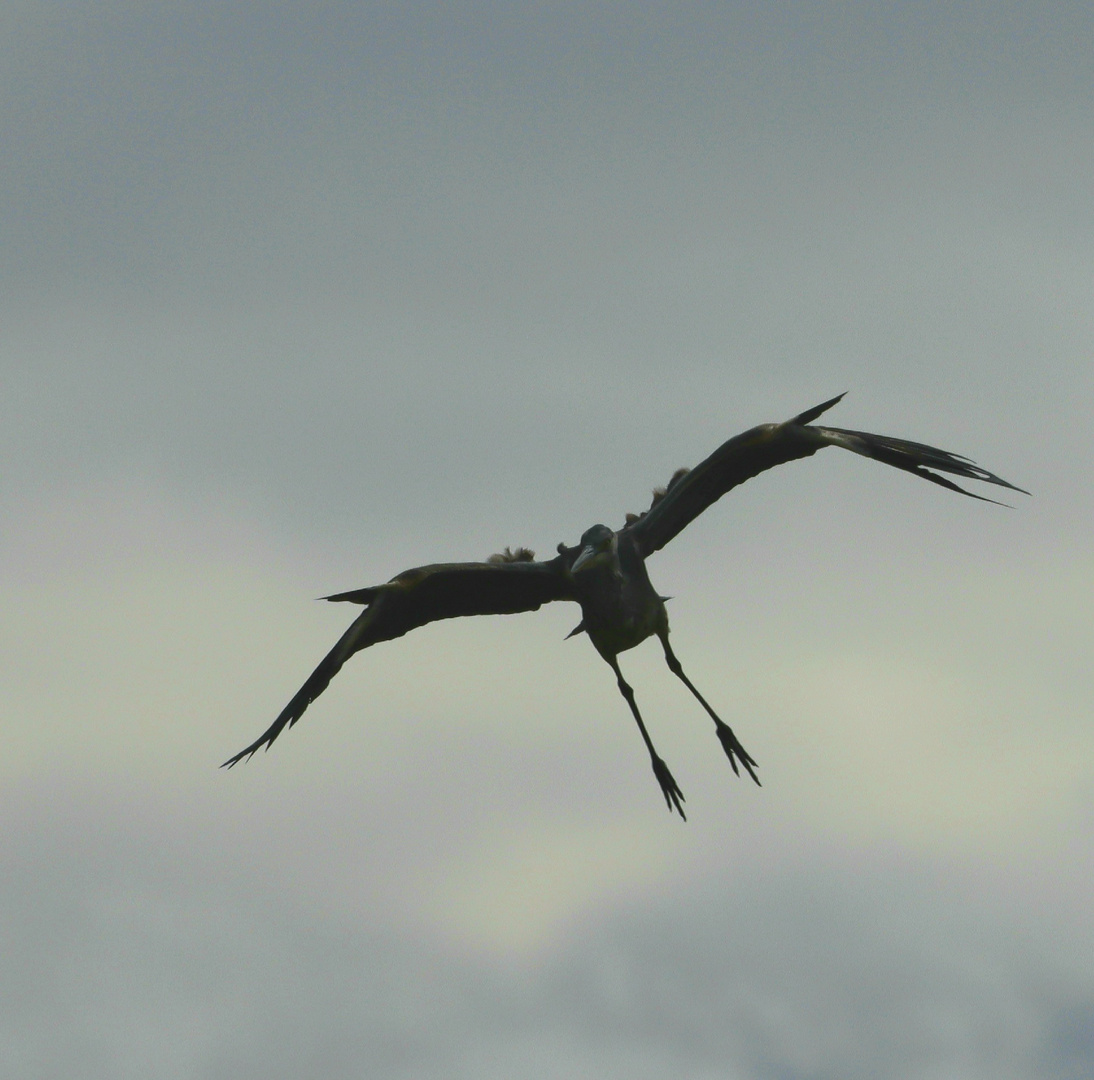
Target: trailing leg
674	797
729	741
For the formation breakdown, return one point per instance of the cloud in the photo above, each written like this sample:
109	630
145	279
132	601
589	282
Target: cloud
298	298
133	951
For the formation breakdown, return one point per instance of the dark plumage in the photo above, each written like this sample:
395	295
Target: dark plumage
605	573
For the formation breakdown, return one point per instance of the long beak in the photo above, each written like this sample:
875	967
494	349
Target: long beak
587	553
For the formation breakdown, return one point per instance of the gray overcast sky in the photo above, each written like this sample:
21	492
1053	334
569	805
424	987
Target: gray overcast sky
294	298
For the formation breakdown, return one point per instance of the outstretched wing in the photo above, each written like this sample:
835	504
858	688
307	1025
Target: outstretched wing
768	445
419	596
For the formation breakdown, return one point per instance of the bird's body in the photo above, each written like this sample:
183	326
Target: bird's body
606	572
619	606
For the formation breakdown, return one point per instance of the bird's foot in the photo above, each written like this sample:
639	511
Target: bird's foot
734	750
674	797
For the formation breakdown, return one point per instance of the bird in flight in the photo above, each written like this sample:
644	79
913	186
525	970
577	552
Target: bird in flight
605	572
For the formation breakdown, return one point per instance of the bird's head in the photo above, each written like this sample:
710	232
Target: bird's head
597	549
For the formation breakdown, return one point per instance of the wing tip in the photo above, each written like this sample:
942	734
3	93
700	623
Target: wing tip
246	755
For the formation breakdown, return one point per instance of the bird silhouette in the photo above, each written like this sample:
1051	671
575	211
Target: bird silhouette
605	572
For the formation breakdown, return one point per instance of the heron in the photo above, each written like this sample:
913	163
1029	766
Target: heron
605	572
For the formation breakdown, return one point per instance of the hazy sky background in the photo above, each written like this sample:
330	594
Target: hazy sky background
295	297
